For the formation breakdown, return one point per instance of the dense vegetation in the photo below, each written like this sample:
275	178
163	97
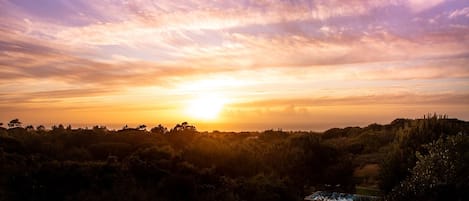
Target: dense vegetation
422	159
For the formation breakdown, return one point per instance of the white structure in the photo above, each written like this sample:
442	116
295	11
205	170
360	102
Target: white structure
334	196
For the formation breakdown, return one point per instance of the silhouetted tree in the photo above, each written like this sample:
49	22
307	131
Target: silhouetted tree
160	129
60	129
184	126
99	129
14	123
40	128
142	127
29	128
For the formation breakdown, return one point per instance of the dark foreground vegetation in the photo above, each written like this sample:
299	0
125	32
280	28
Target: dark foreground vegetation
422	159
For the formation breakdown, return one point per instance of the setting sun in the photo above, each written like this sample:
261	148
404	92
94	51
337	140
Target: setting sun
205	107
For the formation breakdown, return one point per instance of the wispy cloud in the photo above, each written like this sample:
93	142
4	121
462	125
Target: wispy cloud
422	5
371	100
463	12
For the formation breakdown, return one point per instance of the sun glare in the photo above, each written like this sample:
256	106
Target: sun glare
205	107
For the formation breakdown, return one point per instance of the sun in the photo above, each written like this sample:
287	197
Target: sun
205	107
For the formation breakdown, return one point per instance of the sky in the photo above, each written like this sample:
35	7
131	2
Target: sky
233	64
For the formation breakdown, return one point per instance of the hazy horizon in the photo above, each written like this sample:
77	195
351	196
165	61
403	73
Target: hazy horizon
233	65
225	127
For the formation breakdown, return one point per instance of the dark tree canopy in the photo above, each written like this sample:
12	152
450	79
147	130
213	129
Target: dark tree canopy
421	159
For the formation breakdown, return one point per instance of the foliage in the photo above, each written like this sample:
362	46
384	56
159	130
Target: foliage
409	140
63	163
98	164
440	172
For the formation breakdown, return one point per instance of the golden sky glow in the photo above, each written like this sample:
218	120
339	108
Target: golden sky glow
205	107
250	65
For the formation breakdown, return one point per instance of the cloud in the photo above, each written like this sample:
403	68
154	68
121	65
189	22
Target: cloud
51	96
422	5
57	11
371	100
261	51
155	19
463	12
422	69
26	57
199	33
29	58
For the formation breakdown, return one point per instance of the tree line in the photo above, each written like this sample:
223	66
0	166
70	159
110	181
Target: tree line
419	159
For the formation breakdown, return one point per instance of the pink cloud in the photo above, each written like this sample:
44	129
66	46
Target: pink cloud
422	5
464	12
